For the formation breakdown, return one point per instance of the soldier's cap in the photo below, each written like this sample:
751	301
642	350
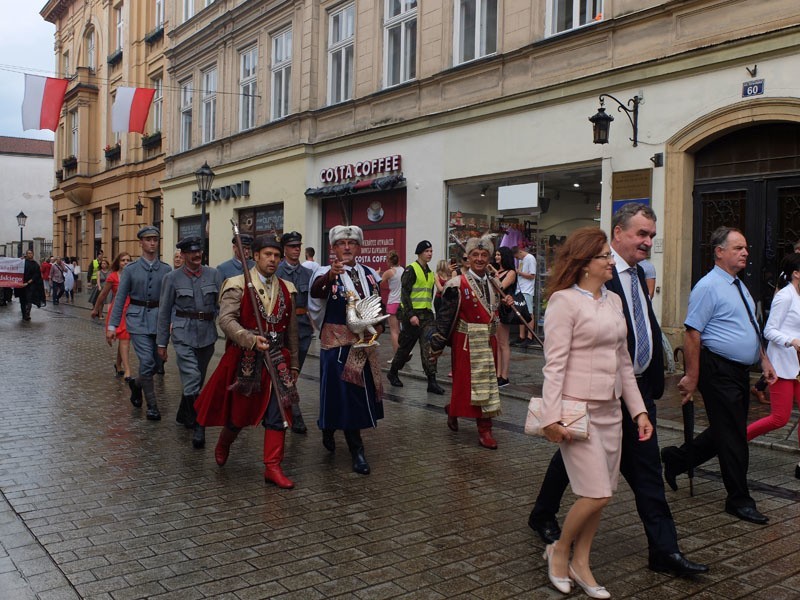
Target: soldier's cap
422	246
291	238
266	241
148	230
190	244
247	240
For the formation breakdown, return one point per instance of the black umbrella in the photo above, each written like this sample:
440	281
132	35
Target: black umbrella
688	436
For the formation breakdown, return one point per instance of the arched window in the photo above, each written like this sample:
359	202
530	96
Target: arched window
90	49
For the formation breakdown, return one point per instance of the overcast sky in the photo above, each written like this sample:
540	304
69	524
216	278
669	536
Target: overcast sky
26	46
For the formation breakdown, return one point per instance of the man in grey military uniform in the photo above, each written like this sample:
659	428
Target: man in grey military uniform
233	267
141	281
188	307
290	269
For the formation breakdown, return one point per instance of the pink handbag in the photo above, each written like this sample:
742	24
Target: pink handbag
573	416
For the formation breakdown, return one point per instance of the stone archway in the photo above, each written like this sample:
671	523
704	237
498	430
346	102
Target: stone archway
678	205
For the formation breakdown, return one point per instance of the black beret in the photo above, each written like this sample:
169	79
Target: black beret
291	237
247	240
266	241
422	246
190	244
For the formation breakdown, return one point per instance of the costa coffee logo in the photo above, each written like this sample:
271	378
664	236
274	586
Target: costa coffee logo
367	168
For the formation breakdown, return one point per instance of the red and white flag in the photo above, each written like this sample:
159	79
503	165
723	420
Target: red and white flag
41	106
11	272
131	106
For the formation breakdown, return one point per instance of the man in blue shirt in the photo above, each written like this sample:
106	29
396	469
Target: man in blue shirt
231	268
721	343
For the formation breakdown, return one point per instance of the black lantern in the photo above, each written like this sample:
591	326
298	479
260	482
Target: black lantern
139	207
601	123
22	218
205	177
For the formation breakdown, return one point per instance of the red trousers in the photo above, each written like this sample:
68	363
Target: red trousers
782	394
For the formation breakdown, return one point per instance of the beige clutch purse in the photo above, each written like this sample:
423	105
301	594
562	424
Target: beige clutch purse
573	416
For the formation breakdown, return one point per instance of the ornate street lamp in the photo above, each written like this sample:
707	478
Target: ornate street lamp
601	122
205	177
21	220
139	207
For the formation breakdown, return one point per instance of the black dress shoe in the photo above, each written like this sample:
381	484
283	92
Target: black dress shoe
394	379
547	529
298	424
328	440
136	392
360	464
797	471
747	513
676	564
199	437
433	387
670	468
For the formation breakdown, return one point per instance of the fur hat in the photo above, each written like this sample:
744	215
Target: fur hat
481	243
346	232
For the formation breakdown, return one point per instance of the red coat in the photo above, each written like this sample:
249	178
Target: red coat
217	404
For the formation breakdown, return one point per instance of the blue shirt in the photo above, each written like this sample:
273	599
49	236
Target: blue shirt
716	310
233	267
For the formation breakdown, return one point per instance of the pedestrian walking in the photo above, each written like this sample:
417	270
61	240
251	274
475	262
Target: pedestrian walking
76	272
507	275
69	282
391	277
633	229
58	278
526	283
94	270
46	265
722	341
350	378
141	283
241	392
309	263
32	291
122	365
187	311
234	266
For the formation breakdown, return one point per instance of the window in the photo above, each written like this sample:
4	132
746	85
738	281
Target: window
65	64
400	41
209	96
159	20
118	27
158	103
475	29
571	14
340	54
281	73
208	3
188	9
90	50
73	140
248	63
186	115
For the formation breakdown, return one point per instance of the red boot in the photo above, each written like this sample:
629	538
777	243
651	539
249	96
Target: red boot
452	422
485	438
273	455
226	438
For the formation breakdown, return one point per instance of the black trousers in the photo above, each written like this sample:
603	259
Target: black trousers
409	336
641	467
725	386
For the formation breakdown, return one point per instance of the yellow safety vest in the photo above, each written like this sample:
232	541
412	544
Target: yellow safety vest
422	292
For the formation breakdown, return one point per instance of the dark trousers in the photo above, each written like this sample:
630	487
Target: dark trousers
409	336
58	291
641	467
725	386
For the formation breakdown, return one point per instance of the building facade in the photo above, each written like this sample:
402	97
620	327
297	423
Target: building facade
106	185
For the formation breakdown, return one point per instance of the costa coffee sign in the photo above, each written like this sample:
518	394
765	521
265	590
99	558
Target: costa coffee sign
367	168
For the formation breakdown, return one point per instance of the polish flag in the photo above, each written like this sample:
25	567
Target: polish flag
131	106
41	106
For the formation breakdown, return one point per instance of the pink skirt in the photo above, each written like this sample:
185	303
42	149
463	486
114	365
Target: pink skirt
391	309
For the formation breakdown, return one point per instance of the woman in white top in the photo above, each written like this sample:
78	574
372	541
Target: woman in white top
69	283
392	275
783	333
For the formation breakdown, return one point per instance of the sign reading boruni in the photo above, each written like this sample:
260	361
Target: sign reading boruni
367	168
225	192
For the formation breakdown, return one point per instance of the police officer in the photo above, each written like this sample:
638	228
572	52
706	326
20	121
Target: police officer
188	307
233	267
290	269
141	281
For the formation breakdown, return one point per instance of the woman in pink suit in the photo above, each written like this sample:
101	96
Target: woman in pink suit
586	359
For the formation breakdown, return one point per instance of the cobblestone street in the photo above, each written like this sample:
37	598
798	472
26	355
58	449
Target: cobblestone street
97	502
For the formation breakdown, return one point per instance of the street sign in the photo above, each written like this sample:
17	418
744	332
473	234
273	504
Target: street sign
752	88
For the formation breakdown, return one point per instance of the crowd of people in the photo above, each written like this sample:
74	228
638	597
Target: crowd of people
602	345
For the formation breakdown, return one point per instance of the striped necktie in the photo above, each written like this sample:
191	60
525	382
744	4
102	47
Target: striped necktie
639	324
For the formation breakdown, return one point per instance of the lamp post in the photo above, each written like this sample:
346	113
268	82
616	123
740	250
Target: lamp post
205	177
21	219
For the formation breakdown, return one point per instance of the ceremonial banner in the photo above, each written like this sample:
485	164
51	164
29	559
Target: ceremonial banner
11	272
131	106
41	106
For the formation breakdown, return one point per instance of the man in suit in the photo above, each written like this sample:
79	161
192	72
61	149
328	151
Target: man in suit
633	228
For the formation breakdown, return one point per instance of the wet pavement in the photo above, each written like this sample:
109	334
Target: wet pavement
97	502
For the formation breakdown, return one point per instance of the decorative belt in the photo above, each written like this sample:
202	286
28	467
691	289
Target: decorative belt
145	303
202	316
274	338
300	311
462	326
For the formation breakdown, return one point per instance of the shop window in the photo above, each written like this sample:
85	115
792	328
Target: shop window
209	95
186	115
189	227
400	41
248	64
281	73
341	44
475	29
565	15
262	220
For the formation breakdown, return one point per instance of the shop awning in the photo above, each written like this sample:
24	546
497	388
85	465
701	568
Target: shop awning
344	189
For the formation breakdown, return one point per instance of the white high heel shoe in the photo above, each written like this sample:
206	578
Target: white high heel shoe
562	584
593	591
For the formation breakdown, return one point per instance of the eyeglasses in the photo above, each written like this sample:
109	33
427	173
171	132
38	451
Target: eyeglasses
606	256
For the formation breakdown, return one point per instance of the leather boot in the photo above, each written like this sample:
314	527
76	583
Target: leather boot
356	446
433	387
191	413
328	440
226	438
298	424
485	438
273	456
149	391
394	379
136	392
199	436
180	416
452	422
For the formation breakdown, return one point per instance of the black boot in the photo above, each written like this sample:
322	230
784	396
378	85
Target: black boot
191	413
356	446
136	392
149	391
328	440
180	417
433	387
199	436
394	379
298	424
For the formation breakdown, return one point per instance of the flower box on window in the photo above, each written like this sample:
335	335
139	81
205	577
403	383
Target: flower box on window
153	36
60	175
152	140
115	57
112	152
70	162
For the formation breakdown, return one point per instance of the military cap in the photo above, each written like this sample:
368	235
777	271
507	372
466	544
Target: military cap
422	246
291	238
148	230
247	239
266	241
190	244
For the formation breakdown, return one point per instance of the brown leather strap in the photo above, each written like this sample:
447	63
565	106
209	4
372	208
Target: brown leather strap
202	316
145	303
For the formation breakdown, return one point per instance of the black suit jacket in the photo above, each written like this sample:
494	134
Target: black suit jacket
652	382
